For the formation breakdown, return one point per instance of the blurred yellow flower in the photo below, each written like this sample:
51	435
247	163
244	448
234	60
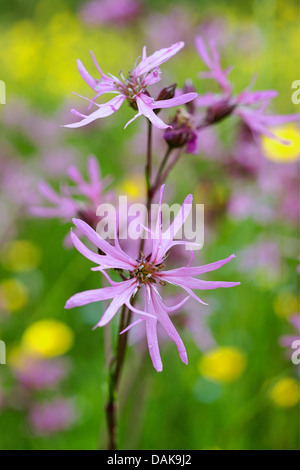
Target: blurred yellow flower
43	50
20	255
224	364
278	152
133	187
285	393
285	304
13	295
47	338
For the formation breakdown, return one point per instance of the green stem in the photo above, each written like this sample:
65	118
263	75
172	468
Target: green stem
148	169
114	375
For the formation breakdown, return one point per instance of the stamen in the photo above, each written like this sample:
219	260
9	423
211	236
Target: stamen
136	62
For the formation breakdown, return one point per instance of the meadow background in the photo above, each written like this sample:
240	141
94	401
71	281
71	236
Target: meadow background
242	394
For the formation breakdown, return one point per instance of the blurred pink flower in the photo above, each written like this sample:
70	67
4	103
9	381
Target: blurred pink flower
170	26
280	185
145	274
80	199
42	374
106	11
220	106
262	254
53	417
248	203
213	63
133	89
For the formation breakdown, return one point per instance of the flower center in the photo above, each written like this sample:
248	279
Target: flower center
130	86
146	271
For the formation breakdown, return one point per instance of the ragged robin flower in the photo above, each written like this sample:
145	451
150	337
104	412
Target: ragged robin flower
133	89
249	105
145	275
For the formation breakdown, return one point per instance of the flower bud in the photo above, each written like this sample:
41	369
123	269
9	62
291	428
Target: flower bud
182	130
219	111
167	93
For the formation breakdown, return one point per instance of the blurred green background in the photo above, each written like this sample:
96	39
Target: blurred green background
252	402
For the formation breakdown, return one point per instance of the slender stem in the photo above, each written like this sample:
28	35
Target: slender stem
161	178
115	369
148	169
161	169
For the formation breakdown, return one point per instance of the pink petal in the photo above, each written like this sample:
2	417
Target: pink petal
85	75
193	283
94	170
195	271
170	233
96	295
75	175
119	299
207	100
249	97
132	119
151	325
84	250
131	325
202	51
145	108
104	246
103	76
104	110
166	323
149	63
176	101
49	193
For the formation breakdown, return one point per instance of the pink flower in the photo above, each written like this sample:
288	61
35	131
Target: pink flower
88	195
133	89
61	205
106	11
42	374
213	63
52	417
220	106
145	274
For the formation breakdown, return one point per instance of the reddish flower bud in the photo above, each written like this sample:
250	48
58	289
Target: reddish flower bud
167	93
182	130
219	111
